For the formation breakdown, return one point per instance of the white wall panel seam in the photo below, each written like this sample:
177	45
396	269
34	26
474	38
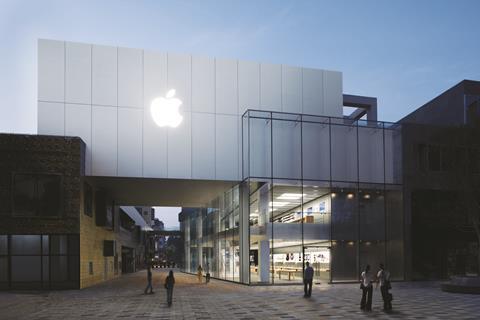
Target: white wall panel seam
64	86
191	118
117	114
143	106
215	118
91	109
167	131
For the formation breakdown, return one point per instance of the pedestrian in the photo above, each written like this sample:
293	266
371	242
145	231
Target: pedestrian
307	281
149	281
169	283
207	275
367	289
383	277
199	273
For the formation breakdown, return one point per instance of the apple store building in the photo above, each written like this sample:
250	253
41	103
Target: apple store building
270	170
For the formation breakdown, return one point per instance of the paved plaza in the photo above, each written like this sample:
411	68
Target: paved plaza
123	298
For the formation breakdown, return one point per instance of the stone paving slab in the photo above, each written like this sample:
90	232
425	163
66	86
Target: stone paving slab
123	298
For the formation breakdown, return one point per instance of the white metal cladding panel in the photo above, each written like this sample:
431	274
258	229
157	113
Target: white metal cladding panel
130	77
78	73
130	142
248	85
226	86
203	145
95	75
291	89
313	92
51	118
179	77
179	149
51	70
154	148
226	139
104	141
154	77
78	122
104	75
333	93
271	87
203	84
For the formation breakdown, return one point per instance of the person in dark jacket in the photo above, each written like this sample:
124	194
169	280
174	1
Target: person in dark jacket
149	281
307	280
169	283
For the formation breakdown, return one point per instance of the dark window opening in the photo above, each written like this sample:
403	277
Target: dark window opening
37	195
87	199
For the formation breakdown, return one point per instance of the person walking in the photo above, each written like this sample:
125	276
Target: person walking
367	289
169	283
199	273
149	281
307	281
383	277
207	273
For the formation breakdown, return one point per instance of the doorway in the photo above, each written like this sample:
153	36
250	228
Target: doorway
319	259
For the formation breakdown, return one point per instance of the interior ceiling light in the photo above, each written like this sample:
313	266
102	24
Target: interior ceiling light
366	196
350	196
277	204
291	196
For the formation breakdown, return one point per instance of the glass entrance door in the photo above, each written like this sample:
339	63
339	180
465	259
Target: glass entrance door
319	258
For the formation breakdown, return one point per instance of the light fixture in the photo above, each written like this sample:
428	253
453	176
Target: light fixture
291	196
366	196
165	110
334	194
350	196
277	204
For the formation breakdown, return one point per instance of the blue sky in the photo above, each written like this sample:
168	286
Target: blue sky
403	52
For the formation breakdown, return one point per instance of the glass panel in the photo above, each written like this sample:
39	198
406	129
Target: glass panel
316	151
370	154
260	232
45	269
45	244
58	244
48	191
59	268
3	244
3	269
25	244
26	268
344	233
344	260
316	228
260	147
394	231
286	150
24	194
393	155
344	152
288	219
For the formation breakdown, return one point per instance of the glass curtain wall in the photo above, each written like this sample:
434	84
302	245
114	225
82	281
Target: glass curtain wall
321	190
212	238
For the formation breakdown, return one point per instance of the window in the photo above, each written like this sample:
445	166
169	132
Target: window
434	158
422	157
37	195
90	267
87	199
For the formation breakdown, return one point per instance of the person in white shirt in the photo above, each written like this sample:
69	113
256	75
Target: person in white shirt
367	289
383	277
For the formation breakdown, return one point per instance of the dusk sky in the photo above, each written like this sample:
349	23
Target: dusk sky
403	52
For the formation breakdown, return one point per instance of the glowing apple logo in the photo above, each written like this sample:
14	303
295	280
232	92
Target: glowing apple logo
165	110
